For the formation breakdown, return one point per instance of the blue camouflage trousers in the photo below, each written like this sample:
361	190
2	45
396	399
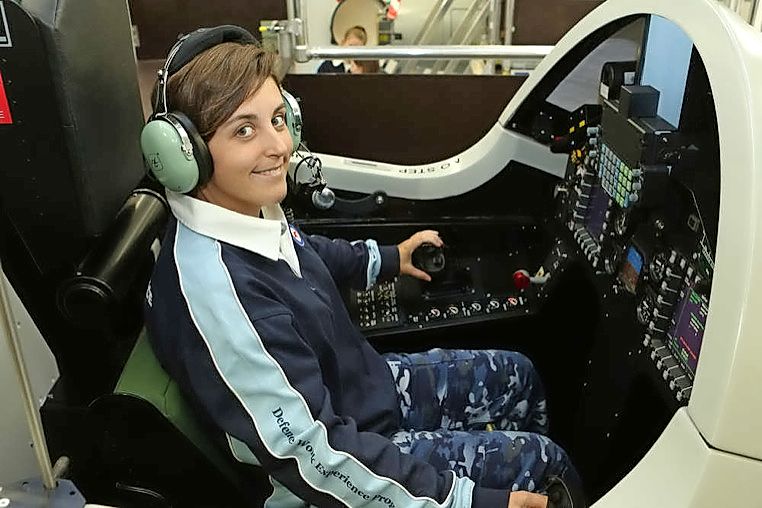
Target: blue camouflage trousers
451	400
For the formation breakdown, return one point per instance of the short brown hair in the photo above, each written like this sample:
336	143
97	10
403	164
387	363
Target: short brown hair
209	88
358	32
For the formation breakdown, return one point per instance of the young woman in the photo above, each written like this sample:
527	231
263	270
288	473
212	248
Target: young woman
244	312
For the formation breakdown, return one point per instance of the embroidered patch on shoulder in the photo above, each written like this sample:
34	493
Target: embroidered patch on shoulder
296	236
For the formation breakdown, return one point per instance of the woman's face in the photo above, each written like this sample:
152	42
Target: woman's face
250	152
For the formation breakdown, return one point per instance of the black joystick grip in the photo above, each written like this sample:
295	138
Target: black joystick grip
429	258
562	494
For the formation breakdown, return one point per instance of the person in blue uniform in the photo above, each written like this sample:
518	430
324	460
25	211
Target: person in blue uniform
354	36
244	312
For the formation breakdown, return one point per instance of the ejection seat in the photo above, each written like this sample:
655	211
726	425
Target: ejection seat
78	232
159	452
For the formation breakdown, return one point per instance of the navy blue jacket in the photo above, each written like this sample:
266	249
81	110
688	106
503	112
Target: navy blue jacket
266	349
329	67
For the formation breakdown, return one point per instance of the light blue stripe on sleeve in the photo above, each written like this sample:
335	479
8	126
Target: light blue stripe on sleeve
374	262
277	410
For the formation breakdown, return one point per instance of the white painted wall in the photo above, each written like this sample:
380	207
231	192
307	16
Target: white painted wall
413	14
318	20
411	17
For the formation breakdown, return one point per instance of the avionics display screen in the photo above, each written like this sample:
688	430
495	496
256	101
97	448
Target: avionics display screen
688	332
665	65
596	216
631	270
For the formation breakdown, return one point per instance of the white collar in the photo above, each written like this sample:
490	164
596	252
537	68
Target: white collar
339	63
269	236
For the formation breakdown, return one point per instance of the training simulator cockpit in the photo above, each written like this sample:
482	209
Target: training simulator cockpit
606	226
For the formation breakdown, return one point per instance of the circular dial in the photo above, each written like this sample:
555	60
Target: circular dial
621	223
611	260
645	309
658	266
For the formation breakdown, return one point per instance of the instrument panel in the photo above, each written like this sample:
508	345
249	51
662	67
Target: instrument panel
474	285
394	306
634	217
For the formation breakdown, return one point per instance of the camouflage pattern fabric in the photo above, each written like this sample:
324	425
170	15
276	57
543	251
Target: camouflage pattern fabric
448	398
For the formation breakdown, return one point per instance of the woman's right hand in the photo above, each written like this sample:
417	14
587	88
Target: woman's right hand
354	67
523	499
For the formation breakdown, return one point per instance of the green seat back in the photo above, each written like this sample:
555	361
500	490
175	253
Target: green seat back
143	377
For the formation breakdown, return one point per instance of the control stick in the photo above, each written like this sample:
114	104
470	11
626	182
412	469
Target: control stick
429	258
562	494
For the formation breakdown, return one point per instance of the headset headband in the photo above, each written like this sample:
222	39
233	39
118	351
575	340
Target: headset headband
187	47
176	153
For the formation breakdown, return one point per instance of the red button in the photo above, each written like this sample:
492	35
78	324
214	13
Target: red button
521	279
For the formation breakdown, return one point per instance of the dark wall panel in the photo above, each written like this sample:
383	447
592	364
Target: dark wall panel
159	22
546	21
403	119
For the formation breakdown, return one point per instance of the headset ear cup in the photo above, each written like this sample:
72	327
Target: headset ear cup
167	156
200	149
293	118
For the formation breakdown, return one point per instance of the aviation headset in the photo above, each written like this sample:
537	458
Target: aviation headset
174	150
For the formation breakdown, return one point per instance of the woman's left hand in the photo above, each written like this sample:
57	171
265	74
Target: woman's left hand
407	247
